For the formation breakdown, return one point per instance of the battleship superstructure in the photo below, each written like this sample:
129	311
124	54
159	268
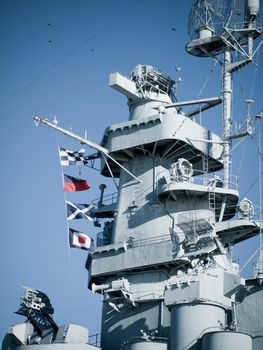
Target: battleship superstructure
160	261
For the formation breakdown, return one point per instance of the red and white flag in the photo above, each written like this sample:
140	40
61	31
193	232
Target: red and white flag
72	184
80	240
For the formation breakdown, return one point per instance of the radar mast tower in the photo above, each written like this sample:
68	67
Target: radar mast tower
214	30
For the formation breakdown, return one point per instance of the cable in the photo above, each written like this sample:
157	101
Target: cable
254	74
252	185
241	158
71	52
251	257
259	175
207	79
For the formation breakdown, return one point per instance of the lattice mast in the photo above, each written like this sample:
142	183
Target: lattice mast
214	31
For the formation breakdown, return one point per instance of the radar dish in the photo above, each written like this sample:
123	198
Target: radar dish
211	21
208	14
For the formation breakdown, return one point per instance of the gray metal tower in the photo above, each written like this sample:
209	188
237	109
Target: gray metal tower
160	262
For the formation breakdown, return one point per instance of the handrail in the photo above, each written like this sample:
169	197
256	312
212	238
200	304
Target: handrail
202	178
107	199
96	341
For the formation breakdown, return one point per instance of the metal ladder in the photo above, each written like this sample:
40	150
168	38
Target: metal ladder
211	191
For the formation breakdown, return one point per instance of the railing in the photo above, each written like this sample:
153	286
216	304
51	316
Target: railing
146	338
203	178
132	243
94	339
245	24
105	240
148	241
106	200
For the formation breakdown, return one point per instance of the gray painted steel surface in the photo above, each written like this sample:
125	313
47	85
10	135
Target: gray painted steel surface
190	321
62	346
146	345
258	343
226	341
161	264
249	308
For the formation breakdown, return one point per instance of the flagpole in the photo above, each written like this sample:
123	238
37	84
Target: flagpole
91	144
65	199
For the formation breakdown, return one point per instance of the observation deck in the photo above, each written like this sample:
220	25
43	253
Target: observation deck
169	134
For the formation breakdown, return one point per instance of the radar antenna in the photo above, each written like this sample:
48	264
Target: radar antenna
215	25
221	27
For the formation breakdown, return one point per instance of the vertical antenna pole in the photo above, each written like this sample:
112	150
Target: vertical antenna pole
250	41
227	106
260	260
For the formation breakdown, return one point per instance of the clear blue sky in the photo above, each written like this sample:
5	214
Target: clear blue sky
56	57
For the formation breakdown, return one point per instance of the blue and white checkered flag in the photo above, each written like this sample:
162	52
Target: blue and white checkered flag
71	158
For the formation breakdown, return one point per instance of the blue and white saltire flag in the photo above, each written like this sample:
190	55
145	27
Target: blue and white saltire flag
80	211
80	240
71	158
